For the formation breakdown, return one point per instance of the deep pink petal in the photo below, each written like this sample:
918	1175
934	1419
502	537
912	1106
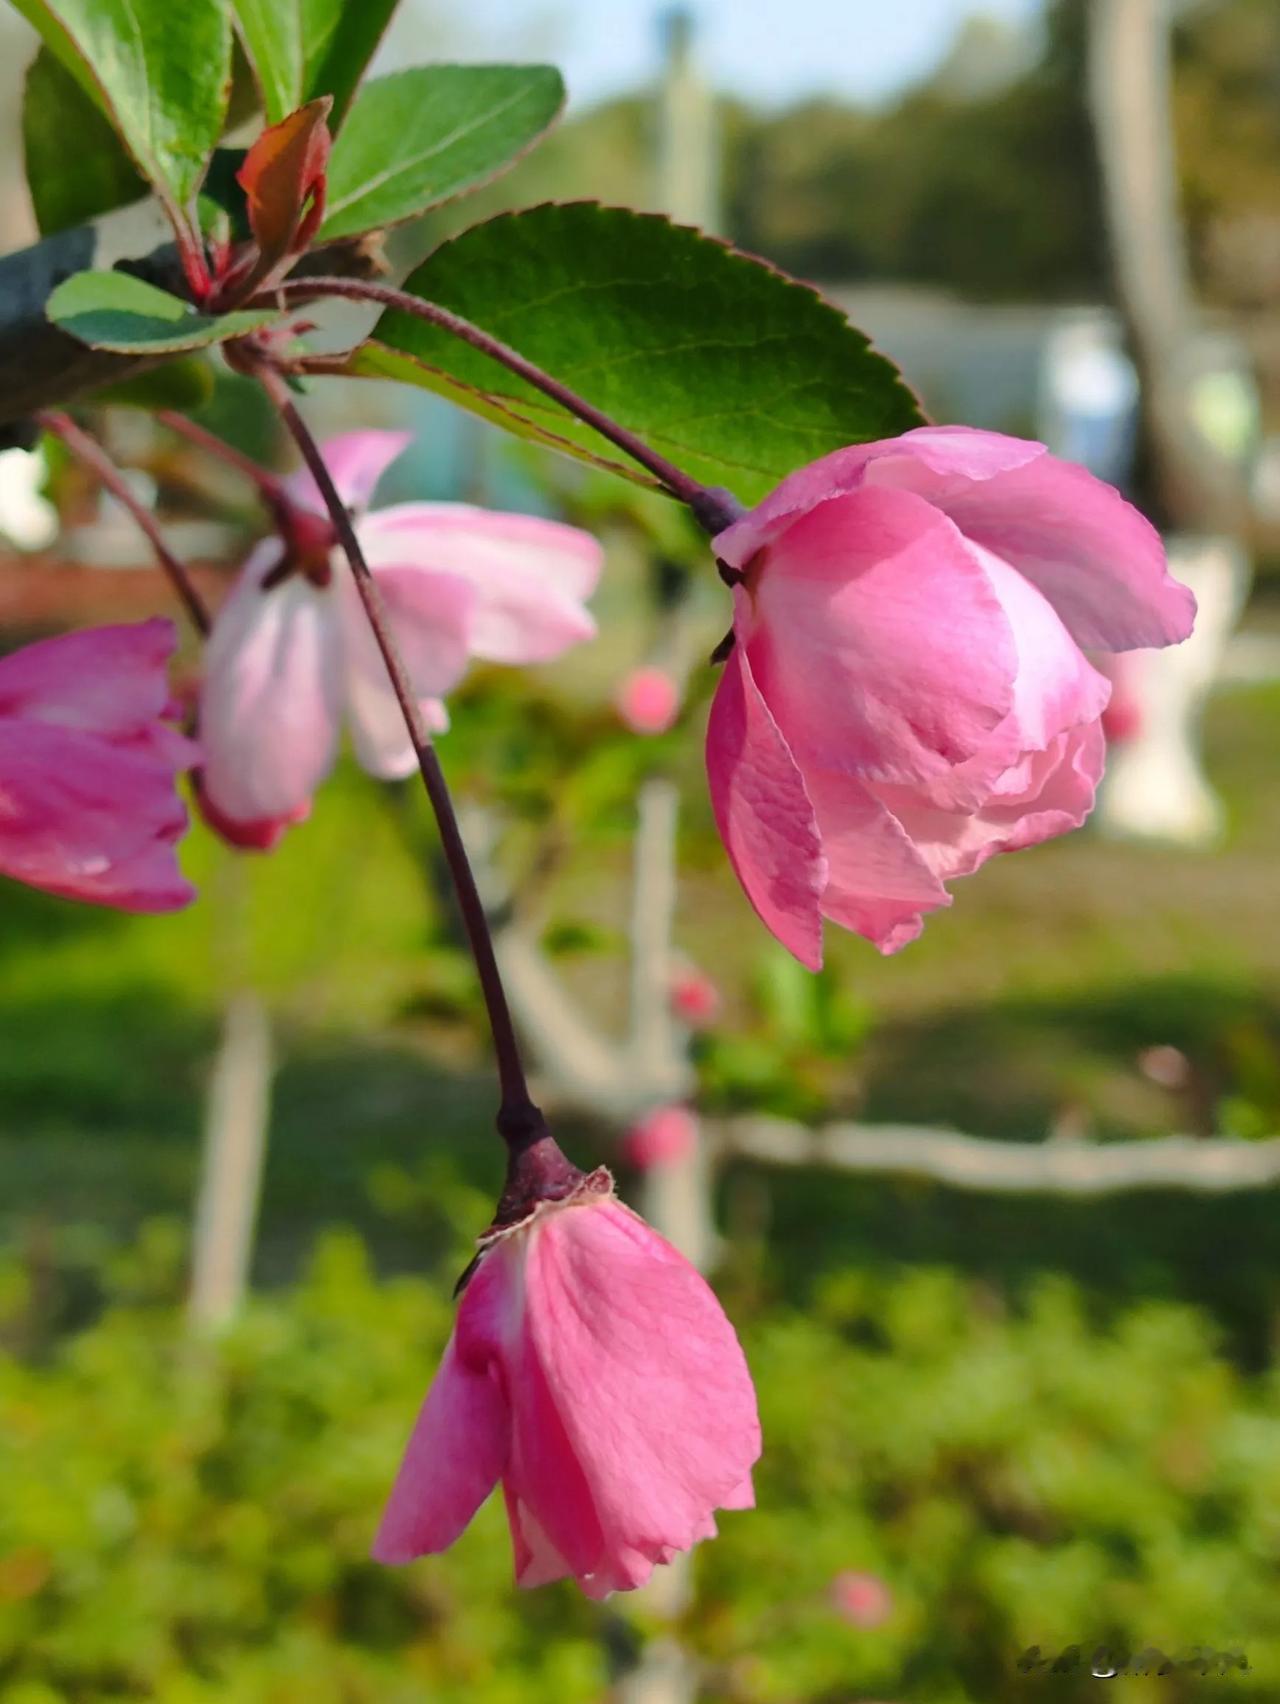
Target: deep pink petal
648	1378
272	694
356	462
530	575
877	639
459	1447
88	819
109	680
878	885
764	814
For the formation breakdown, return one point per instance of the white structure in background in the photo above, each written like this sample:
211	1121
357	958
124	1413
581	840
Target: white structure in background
1155	786
27	519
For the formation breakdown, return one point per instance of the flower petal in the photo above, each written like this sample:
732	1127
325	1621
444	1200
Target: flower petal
764	814
109	680
878	885
1094	556
1044	794
89	819
458	1450
430	616
648	1378
356	462
271	698
878	639
530	575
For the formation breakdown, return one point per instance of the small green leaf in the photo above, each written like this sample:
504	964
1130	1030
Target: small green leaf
303	48
416	138
160	70
185	384
71	185
732	370
113	310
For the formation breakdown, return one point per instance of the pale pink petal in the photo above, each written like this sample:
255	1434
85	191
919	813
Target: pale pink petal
356	462
272	694
1046	793
877	639
538	1562
459	1447
647	1377
88	819
764	814
878	885
1094	556
430	617
110	680
530	575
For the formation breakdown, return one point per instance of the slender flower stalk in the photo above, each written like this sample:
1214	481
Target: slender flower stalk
270	486
94	457
519	1121
711	507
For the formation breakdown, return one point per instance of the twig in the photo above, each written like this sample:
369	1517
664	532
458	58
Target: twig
712	508
267	483
518	1118
94	457
1055	1167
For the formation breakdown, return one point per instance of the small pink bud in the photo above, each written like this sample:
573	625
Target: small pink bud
1168	1066
695	998
863	1600
648	700
661	1138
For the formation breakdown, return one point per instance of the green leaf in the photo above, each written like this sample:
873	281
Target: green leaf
71	185
160	70
418	137
184	384
732	370
113	310
303	48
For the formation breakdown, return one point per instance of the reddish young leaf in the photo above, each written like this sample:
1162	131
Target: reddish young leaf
283	177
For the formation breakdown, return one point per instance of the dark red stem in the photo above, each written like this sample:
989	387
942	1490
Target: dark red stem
519	1121
94	457
712	508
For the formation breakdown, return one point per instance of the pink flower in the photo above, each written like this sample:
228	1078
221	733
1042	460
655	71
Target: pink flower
291	657
648	700
661	1137
907	692
88	807
593	1372
862	1599
695	998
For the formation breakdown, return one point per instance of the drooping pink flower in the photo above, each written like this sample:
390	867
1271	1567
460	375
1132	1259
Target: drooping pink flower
907	692
648	700
593	1372
861	1599
661	1137
291	657
88	805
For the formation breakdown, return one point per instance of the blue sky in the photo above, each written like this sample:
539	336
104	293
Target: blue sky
769	50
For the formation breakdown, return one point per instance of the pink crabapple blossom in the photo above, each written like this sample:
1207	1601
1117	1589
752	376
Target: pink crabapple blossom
648	700
292	657
88	759
695	998
592	1371
908	692
662	1137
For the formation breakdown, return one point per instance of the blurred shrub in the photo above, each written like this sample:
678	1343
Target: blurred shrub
189	1521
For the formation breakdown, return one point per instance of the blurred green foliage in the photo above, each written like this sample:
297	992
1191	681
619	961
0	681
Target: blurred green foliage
188	1520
